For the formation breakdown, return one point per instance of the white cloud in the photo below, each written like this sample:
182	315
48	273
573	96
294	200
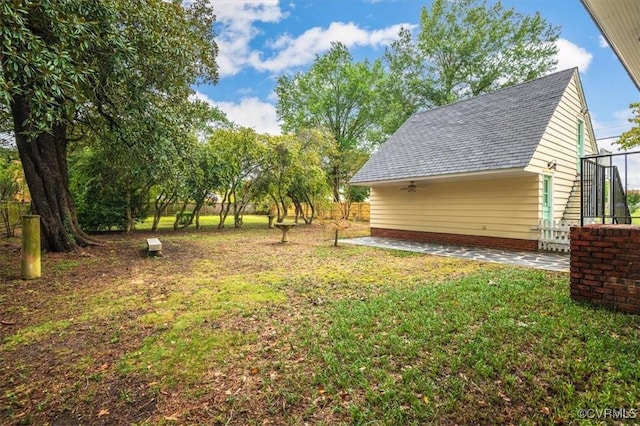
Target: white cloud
239	22
293	52
602	41
571	55
248	112
237	19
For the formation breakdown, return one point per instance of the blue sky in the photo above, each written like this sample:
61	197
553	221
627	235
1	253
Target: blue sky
262	39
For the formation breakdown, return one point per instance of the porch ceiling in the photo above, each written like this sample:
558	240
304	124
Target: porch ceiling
619	22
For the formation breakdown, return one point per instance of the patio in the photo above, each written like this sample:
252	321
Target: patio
558	262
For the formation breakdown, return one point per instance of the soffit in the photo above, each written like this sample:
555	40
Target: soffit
619	22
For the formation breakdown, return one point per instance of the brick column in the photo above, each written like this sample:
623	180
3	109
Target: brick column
605	266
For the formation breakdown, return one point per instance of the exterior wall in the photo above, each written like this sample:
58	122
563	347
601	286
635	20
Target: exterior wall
457	239
605	266
559	143
505	207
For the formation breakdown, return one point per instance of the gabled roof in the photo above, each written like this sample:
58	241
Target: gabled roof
496	131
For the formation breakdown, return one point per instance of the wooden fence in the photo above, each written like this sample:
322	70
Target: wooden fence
554	236
206	210
358	211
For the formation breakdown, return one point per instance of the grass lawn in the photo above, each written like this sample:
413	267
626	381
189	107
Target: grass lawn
231	327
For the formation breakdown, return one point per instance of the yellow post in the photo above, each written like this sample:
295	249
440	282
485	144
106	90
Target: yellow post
30	247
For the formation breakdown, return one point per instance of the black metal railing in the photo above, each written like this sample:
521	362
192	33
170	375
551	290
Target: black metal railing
619	204
610	188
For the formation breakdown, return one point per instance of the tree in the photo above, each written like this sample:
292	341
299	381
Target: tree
112	182
464	48
98	187
631	138
338	96
203	180
283	154
242	159
64	60
349	163
310	185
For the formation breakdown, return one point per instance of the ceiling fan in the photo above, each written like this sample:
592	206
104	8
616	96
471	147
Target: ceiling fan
410	188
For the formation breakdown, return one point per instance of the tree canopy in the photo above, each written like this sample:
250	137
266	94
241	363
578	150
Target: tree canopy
462	49
338	96
631	138
72	66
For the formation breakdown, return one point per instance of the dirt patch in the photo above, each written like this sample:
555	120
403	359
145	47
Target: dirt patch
64	337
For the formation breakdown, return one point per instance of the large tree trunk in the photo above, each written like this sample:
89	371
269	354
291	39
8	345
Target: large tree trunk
44	160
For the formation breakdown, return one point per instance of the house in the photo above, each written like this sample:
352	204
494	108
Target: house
484	171
618	23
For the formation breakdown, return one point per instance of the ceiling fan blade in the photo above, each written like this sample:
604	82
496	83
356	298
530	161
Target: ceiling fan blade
410	188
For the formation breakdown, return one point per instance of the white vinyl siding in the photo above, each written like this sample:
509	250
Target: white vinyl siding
559	143
493	207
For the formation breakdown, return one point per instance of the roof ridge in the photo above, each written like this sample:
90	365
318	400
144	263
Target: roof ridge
501	89
495	131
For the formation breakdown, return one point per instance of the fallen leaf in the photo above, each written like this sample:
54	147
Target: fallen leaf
254	371
173	418
504	397
103	412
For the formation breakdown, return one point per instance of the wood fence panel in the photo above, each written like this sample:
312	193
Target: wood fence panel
554	236
358	211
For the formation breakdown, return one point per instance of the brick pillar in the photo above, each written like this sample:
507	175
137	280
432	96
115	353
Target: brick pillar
605	266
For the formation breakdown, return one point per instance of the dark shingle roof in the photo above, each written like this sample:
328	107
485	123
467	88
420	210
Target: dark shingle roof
499	130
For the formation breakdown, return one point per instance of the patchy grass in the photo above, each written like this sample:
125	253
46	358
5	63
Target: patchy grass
232	327
484	349
206	222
